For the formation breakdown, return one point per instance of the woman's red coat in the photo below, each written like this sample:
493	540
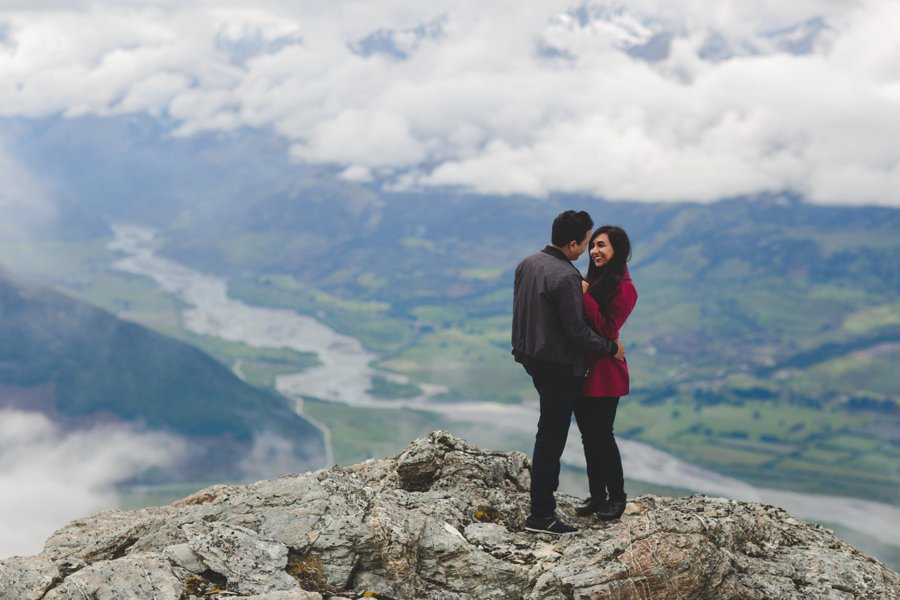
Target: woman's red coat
608	376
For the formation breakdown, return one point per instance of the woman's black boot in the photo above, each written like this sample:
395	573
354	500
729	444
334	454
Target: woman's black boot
612	511
590	506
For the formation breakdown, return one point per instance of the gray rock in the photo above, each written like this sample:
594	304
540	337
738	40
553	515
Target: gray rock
127	578
27	578
248	563
442	520
181	555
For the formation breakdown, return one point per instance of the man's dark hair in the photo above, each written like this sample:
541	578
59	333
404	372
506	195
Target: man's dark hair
570	226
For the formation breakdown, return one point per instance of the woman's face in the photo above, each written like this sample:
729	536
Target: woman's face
601	250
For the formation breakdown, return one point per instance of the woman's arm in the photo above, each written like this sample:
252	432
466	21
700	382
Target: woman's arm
609	325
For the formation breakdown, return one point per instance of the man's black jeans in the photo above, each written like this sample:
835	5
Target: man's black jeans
595	417
558	394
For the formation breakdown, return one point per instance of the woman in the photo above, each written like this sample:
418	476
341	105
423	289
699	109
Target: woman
609	298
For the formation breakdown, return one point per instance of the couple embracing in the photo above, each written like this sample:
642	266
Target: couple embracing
565	333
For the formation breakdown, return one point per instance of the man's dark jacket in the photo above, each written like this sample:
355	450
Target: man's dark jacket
548	329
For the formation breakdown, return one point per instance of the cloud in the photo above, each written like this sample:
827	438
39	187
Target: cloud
648	100
25	204
270	456
49	477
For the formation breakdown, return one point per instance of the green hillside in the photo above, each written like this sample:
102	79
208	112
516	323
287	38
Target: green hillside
762	345
77	363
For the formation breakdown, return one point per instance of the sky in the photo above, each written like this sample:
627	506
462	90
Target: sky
660	101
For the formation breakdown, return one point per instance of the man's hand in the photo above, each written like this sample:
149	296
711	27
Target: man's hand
620	355
584	286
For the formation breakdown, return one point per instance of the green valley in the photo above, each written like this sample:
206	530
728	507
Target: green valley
763	344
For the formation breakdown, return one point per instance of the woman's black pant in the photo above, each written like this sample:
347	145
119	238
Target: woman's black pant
595	417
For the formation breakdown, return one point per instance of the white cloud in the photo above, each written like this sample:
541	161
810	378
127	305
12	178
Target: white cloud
24	201
503	97
270	456
49	477
357	173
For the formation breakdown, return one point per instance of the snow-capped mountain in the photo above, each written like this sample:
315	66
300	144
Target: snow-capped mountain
399	43
639	35
649	38
799	38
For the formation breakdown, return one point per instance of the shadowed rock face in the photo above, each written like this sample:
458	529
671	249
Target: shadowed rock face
442	520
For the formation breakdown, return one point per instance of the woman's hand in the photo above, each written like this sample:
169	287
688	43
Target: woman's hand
584	286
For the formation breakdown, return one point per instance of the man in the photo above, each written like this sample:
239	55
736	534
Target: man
552	341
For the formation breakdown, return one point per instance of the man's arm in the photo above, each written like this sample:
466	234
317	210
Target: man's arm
576	330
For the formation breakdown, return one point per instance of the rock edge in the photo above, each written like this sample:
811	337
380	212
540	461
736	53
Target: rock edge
441	520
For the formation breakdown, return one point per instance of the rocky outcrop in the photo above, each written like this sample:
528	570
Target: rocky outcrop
442	520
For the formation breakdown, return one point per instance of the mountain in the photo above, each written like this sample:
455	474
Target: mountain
79	365
132	168
443	519
742	264
649	38
399	44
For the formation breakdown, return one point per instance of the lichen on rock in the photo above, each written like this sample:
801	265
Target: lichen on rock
441	520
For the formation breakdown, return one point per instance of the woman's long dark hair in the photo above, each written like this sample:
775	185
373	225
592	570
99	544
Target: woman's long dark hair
604	281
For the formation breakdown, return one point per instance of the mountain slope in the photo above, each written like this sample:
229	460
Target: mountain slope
79	364
743	266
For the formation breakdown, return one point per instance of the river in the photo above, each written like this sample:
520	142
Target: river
345	375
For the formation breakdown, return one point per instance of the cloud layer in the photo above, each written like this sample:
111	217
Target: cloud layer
659	101
48	478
